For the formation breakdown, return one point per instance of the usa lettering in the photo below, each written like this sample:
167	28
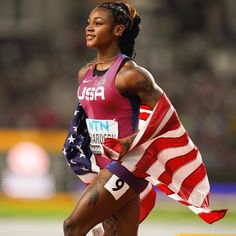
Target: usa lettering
91	94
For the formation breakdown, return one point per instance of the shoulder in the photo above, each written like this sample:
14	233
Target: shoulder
134	75
140	81
82	72
134	72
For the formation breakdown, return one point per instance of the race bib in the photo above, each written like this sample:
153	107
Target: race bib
99	130
116	186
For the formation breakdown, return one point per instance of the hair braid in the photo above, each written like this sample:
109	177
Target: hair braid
122	15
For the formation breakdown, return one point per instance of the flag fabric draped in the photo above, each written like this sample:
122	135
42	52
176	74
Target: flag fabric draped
78	156
163	154
77	152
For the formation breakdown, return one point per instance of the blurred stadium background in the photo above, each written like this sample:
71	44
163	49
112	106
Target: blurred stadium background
189	47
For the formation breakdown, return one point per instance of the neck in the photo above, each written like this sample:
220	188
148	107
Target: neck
107	53
103	57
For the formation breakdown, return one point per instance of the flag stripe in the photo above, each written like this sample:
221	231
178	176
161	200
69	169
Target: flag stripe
159	146
190	182
180	176
203	184
173	165
157	118
172	162
163	154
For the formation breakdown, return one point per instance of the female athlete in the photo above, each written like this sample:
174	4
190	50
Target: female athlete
111	90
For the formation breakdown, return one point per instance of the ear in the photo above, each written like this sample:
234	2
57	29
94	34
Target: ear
118	30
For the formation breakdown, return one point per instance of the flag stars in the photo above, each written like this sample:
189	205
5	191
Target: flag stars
81	151
71	139
75	128
76	112
84	168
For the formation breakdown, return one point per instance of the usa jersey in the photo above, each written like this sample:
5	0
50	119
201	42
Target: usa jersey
110	115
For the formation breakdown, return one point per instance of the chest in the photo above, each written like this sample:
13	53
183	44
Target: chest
96	89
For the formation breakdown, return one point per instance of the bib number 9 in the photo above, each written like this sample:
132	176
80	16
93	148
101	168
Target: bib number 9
116	186
119	184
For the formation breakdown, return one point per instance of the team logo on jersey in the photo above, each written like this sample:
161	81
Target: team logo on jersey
91	93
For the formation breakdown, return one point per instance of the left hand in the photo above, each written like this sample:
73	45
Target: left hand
117	148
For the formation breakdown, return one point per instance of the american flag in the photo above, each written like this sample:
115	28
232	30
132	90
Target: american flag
163	154
77	151
82	162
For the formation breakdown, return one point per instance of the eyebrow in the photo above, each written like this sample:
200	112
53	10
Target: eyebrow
95	18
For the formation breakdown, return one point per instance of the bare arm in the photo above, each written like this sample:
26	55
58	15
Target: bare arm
147	89
137	81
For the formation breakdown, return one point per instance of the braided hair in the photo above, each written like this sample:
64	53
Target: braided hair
126	15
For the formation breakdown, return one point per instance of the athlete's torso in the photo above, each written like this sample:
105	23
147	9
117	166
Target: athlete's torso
104	104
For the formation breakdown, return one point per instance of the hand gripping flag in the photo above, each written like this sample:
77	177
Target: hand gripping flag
163	154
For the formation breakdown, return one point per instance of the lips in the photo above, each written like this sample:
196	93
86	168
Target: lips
90	36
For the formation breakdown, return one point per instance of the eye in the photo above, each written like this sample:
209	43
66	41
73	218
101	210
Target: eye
97	23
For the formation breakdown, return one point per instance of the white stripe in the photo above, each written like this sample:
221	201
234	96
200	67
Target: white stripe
94	166
169	153
145	192
164	121
195	209
161	125
157	168
141	132
180	131
198	210
153	181
199	193
175	197
145	111
180	175
133	156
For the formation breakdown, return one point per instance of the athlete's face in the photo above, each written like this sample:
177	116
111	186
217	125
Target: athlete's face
101	30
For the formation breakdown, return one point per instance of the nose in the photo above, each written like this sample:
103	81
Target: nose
89	28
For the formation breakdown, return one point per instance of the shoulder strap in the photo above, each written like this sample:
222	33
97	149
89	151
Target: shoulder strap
123	62
116	66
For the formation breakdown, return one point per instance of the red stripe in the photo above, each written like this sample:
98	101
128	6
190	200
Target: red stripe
213	216
191	182
206	201
174	164
164	189
172	124
147	204
140	173
151	154
184	203
160	111
144	116
158	145
144	106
